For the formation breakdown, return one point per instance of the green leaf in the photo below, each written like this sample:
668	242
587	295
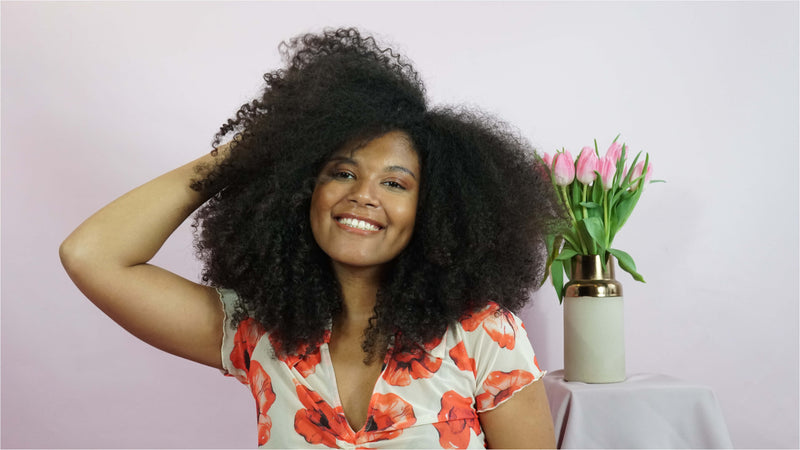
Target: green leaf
596	212
622	210
626	263
576	199
557	277
611	225
550	243
569	247
626	182
615	181
619	196
568	269
590	205
558	242
597	191
566	254
594	226
572	238
591	247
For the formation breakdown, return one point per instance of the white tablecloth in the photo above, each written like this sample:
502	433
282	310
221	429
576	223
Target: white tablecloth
644	411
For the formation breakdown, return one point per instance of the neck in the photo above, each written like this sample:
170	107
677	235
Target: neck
359	292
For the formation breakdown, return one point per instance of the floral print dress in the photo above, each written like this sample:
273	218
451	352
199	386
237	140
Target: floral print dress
426	398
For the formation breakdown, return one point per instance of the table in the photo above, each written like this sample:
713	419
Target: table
644	411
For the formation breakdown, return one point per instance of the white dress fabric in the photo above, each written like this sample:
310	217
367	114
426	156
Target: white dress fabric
426	398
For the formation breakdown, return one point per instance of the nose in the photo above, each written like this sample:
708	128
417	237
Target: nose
362	194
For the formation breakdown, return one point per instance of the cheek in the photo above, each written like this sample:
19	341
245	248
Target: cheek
407	214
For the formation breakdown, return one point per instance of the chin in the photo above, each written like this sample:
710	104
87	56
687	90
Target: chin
354	262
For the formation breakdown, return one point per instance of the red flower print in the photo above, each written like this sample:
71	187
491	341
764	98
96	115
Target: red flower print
318	422
388	416
502	329
459	355
247	335
501	385
472	320
308	424
455	420
497	322
305	362
261	385
415	363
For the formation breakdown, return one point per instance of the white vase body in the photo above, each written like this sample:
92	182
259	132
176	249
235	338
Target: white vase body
594	340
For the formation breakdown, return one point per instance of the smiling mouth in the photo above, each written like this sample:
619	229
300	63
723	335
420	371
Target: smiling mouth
358	224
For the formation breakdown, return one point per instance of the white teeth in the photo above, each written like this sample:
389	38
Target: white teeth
359	224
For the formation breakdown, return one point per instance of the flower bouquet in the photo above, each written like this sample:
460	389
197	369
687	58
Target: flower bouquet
599	195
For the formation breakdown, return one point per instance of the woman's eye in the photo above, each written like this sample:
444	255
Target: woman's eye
343	174
394	185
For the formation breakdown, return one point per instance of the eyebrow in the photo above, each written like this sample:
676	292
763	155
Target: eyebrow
347	160
400	169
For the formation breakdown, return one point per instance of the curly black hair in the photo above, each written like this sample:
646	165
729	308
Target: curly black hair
485	200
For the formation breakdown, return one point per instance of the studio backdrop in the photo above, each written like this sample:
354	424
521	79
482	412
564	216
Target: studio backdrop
98	98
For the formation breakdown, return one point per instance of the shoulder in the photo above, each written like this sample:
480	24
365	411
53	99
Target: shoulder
495	322
504	360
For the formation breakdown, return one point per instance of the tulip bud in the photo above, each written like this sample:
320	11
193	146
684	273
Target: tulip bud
607	168
563	168
637	172
586	166
548	160
614	152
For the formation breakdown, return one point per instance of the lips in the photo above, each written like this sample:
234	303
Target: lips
358	223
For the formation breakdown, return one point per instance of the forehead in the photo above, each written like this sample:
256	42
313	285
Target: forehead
394	146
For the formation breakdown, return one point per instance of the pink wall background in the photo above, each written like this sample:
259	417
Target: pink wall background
100	97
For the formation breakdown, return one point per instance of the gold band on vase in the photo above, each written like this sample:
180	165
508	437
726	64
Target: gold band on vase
589	279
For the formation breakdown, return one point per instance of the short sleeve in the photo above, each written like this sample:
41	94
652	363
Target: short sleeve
504	358
238	339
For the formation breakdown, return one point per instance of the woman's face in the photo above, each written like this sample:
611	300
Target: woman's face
365	202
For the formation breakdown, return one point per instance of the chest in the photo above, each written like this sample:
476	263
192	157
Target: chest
331	397
355	380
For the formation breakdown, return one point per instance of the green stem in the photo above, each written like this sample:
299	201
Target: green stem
572	216
606	225
583	199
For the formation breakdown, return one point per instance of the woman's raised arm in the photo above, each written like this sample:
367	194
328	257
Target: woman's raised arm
107	259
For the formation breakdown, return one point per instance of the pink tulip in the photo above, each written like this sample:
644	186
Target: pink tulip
614	152
607	168
586	166
548	160
563	168
637	172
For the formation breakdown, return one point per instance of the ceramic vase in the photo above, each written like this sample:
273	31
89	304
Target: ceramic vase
594	340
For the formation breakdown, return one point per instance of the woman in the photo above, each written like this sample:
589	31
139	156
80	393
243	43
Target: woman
367	252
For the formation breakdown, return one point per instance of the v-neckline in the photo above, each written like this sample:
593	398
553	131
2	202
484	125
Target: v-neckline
325	349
